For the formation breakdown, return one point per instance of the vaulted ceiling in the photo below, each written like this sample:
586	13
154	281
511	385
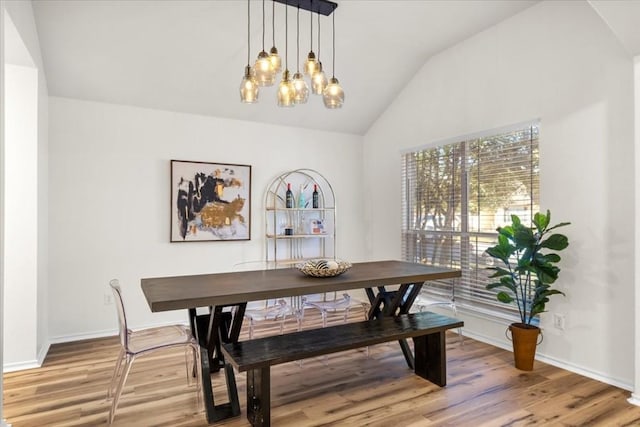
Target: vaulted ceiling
189	56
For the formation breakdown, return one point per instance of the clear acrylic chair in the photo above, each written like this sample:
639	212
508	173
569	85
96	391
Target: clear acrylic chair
276	311
141	342
268	310
332	304
329	303
423	302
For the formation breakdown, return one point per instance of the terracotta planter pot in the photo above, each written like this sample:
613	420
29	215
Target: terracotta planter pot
525	340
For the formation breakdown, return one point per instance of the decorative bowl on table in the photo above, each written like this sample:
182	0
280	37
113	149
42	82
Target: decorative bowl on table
323	267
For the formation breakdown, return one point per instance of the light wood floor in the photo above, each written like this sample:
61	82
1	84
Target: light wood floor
348	389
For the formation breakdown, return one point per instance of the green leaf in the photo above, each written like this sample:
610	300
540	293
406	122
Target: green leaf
504	297
526	257
541	221
554	292
506	232
508	283
502	251
499	271
544	259
524	238
515	220
537	309
499	253
547	273
557	242
495	285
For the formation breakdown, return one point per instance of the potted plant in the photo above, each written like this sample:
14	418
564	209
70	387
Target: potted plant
526	277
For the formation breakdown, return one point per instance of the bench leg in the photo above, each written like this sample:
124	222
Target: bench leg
258	397
431	358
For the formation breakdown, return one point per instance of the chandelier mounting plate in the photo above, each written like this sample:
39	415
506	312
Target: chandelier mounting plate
323	7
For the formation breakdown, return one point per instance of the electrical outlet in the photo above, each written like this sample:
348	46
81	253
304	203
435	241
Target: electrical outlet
108	299
558	321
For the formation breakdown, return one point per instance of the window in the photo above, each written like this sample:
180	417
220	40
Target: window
456	195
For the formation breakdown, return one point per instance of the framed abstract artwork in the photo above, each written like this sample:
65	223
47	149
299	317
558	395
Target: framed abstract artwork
210	201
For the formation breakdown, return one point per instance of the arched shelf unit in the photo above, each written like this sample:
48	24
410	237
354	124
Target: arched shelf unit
300	232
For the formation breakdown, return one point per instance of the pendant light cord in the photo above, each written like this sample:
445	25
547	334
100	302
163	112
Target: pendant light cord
263	25
273	21
286	36
248	32
311	31
298	41
334	44
318	36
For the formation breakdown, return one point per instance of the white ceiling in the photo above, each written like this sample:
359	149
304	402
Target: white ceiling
189	56
623	17
15	52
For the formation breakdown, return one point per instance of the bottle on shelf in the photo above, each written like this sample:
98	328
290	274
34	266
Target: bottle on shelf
314	197
302	201
289	197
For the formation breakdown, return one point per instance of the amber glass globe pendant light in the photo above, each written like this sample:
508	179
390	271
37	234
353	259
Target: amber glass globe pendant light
311	65
300	88
263	71
318	78
248	86
333	95
285	88
274	58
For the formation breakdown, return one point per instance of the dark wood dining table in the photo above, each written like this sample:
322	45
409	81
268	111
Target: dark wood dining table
218	291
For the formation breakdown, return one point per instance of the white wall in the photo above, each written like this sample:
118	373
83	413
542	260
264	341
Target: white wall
20	215
2	108
22	48
635	397
556	61
109	201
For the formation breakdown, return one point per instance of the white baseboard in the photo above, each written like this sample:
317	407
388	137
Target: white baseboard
555	362
20	366
37	363
27	364
106	333
586	372
486	339
634	399
84	336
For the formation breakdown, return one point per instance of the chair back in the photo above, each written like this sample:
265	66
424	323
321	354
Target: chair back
122	317
255	265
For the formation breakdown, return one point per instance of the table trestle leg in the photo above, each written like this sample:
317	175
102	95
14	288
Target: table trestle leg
394	303
214	412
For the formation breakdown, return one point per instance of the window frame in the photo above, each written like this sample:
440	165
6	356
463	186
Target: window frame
469	291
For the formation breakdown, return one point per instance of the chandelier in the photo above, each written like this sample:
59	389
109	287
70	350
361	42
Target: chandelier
292	89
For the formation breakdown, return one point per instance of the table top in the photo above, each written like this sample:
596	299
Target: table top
183	292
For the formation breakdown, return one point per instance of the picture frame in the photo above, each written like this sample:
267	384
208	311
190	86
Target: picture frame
210	201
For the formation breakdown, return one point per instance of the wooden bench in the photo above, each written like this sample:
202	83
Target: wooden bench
257	356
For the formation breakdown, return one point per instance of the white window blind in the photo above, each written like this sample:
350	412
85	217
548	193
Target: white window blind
454	198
